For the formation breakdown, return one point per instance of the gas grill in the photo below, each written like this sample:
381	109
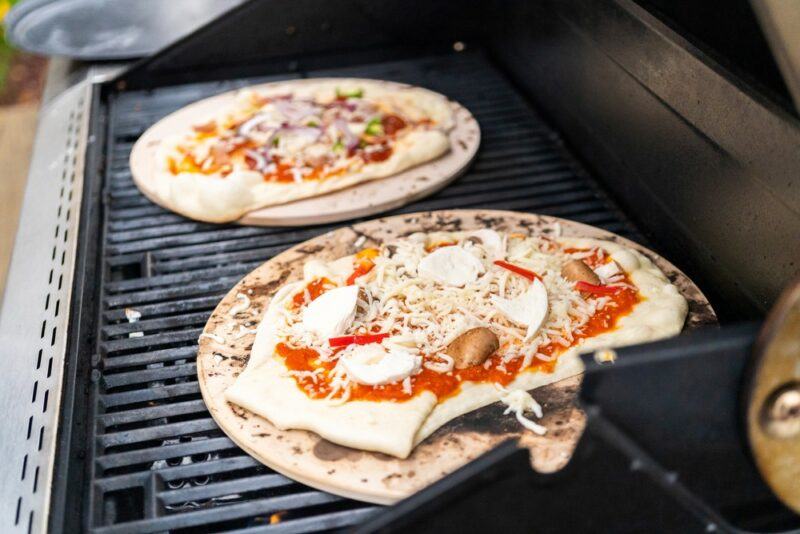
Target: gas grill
592	111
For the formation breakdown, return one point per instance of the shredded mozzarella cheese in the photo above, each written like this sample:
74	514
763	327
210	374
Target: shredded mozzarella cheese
242	305
425	316
212	337
520	401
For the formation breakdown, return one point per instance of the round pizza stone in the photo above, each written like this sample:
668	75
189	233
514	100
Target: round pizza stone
376	477
361	200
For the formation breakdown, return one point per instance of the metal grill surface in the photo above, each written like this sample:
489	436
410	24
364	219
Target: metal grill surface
158	460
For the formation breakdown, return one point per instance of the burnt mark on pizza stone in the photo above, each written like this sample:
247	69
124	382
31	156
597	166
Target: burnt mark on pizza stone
268	289
309	249
331	452
557	401
495	223
239	411
367	237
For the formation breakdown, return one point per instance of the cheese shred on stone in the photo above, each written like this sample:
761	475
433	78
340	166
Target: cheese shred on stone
519	402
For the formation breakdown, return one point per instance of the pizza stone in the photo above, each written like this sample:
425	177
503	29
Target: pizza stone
425	163
377	477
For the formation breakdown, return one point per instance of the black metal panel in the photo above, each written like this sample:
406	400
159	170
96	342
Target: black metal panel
269	36
662	452
700	160
154	458
657	119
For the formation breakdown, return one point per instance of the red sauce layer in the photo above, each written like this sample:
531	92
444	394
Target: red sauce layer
444	385
221	162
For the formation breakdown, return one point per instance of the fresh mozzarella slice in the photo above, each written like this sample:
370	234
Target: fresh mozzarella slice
314	269
451	265
330	314
373	365
528	309
607	270
491	242
626	259
336	271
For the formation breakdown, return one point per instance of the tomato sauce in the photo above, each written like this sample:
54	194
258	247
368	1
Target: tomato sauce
282	174
363	264
444	385
391	124
315	289
434	246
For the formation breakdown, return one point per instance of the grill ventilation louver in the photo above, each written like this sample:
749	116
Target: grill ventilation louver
43	273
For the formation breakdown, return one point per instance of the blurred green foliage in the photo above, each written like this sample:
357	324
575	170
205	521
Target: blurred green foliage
6	50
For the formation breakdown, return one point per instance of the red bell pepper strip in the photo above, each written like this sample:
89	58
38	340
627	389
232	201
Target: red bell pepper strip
530	275
365	339
598	290
360	270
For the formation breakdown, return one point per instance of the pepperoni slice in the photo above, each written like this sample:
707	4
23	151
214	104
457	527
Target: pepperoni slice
382	154
392	123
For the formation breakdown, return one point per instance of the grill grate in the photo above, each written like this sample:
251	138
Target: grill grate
160	462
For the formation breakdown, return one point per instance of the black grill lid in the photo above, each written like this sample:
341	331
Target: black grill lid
107	29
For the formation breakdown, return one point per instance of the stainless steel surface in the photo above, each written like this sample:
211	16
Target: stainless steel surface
64	73
107	29
780	20
35	311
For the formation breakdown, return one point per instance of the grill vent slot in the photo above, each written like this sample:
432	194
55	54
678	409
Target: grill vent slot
31	444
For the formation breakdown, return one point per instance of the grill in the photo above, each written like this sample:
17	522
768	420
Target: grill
594	111
159	460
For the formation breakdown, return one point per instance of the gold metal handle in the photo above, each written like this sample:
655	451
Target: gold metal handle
773	403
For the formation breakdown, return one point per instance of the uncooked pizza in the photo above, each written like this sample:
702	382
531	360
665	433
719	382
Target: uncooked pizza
377	350
297	140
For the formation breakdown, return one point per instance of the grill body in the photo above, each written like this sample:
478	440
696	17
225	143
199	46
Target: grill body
159	460
576	122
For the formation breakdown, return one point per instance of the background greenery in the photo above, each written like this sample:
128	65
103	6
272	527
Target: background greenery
6	51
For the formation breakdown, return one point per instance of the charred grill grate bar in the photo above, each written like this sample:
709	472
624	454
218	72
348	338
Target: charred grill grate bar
158	462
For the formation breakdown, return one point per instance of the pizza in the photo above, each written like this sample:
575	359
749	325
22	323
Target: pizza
379	349
284	142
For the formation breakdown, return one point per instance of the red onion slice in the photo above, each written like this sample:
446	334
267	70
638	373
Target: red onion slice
350	139
295	110
259	159
306	131
252	124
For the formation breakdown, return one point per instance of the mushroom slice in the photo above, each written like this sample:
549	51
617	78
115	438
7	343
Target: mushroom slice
528	309
472	347
578	271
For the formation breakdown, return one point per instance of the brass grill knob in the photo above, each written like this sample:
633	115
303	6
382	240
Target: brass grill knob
780	416
773	399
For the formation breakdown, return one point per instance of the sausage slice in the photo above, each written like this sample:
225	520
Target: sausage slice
473	347
577	271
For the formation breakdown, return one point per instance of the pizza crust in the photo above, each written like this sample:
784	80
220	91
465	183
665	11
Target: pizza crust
214	198
386	427
395	428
